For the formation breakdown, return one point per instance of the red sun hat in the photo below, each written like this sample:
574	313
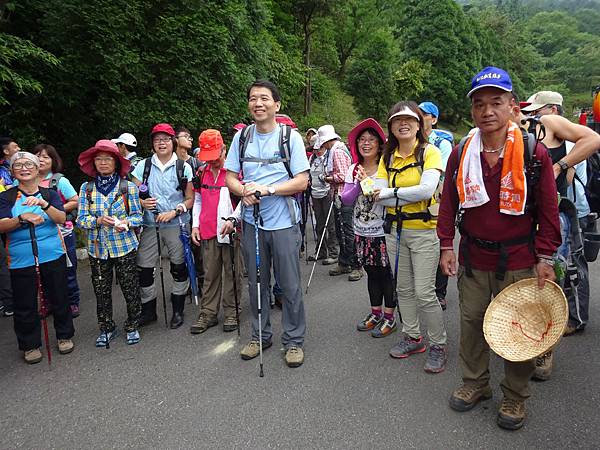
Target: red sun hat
163	128
210	143
356	132
86	159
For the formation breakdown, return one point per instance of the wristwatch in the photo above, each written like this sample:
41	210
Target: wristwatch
563	165
21	220
48	205
271	190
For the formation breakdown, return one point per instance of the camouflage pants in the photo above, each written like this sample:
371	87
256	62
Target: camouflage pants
102	276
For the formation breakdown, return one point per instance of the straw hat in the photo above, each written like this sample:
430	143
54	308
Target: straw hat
523	321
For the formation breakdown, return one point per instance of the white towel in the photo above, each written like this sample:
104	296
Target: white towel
474	188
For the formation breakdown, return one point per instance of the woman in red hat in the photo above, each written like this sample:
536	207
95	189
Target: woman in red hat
367	140
110	210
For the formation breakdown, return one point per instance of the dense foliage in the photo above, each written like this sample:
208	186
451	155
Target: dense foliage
79	71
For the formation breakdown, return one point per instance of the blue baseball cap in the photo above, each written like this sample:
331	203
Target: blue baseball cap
491	77
430	108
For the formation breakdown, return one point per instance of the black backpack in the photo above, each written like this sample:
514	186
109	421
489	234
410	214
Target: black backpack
592	187
13	192
285	132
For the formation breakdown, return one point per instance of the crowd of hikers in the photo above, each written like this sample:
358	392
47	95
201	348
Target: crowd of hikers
387	204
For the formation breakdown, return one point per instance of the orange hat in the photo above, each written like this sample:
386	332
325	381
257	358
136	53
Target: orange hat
211	143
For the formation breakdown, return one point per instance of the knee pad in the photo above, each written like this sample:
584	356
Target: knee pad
146	276
179	272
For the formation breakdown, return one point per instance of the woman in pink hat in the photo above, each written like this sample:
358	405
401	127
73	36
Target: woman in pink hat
110	210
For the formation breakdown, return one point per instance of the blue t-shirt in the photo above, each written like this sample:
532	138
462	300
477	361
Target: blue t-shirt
162	185
49	240
274	210
443	144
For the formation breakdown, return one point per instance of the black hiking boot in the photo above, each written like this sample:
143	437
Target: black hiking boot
178	302
148	313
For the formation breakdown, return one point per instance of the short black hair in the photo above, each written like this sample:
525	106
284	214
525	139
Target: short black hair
182	130
265	84
4	141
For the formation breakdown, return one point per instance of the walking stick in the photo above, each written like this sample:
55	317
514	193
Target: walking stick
43	307
160	265
235	293
319	248
256	220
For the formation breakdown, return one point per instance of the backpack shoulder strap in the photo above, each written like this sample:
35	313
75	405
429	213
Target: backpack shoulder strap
45	193
89	187
54	180
12	194
285	133
181	178
147	168
124	189
243	142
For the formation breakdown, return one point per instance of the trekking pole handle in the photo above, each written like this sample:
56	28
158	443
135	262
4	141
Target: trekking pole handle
257	207
34	245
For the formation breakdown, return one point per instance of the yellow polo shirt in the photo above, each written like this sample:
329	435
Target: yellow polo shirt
432	159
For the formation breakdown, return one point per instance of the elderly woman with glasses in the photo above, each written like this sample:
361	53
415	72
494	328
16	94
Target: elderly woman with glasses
30	215
109	210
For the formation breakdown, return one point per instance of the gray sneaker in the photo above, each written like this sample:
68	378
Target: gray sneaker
407	346
436	360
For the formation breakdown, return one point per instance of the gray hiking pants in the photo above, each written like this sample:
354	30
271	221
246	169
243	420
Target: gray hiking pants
283	248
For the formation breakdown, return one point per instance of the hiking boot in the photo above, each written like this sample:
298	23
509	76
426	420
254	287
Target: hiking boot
571	330
75	311
313	258
33	356
102	340
294	356
339	270
468	395
407	346
204	323
543	367
436	359
230	324
329	261
355	275
65	346
443	303
148	313
133	337
385	328
511	415
369	322
251	349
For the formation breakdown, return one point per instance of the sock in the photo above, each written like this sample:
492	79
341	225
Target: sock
376	312
389	316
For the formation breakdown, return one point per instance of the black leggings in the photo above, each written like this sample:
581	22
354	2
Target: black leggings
380	283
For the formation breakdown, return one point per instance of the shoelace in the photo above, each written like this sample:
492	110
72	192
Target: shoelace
511	405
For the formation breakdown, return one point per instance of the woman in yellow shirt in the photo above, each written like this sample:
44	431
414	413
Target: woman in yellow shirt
408	175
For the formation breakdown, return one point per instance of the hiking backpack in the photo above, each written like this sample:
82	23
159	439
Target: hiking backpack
442	135
592	187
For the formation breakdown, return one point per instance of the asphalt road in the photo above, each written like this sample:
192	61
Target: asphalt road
175	390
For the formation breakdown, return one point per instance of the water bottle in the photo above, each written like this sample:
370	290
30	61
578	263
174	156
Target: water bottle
144	192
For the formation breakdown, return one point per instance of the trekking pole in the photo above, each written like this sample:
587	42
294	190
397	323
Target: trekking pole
319	248
312	217
43	307
260	344
160	265
235	293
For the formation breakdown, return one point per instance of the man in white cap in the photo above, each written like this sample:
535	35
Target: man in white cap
127	144
337	168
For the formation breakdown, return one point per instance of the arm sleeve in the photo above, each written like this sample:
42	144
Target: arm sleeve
445	150
135	207
85	219
196	210
412	194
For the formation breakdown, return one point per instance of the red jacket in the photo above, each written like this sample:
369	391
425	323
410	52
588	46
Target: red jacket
486	222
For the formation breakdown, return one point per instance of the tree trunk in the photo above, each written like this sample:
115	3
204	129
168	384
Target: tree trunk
308	87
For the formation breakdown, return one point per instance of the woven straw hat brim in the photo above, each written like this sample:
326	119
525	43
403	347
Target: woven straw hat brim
523	321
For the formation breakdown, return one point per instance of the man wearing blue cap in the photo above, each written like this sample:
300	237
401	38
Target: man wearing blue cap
502	241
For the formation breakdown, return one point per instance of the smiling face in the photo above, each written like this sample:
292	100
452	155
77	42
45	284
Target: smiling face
404	128
162	144
491	109
261	105
25	170
105	163
368	145
45	162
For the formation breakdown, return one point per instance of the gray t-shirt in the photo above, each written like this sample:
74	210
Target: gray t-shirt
318	170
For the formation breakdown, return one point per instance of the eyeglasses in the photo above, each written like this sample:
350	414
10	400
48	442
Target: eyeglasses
161	140
367	140
25	165
185	136
103	159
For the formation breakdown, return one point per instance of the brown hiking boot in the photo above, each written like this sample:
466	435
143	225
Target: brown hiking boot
339	270
252	349
543	367
33	356
294	356
355	275
468	395
511	415
203	323
230	324
65	346
571	330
